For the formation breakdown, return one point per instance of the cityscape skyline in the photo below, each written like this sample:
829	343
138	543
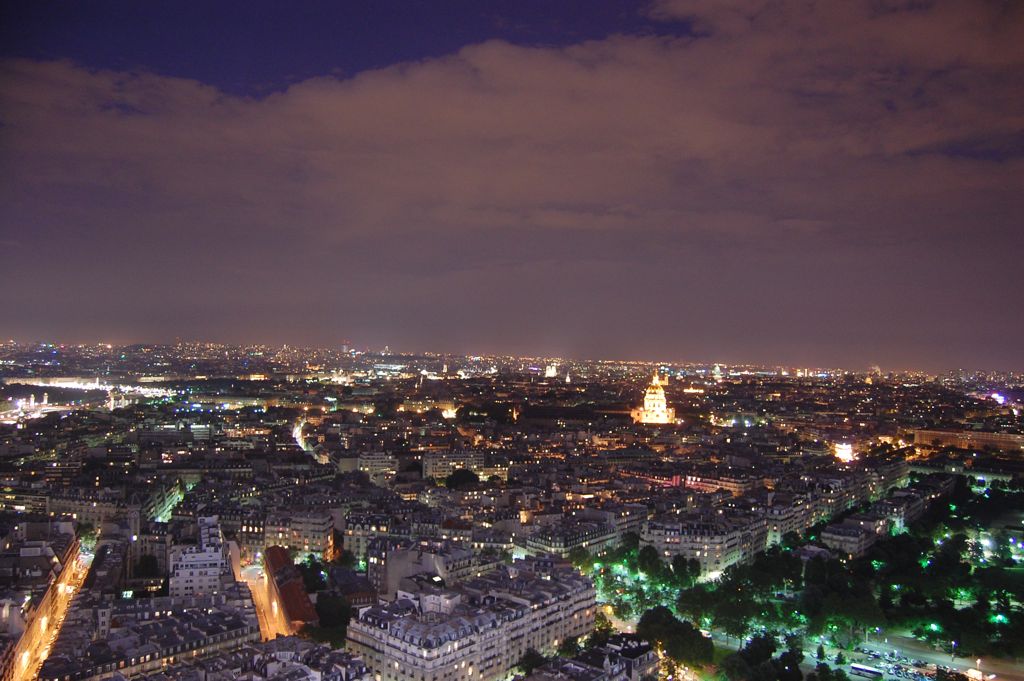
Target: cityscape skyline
399	350
383	516
512	340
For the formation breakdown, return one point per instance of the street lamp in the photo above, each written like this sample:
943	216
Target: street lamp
952	651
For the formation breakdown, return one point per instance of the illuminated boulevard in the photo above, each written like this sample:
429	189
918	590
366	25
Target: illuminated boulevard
271	616
35	644
1007	670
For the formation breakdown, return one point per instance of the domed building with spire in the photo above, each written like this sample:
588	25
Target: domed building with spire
655	408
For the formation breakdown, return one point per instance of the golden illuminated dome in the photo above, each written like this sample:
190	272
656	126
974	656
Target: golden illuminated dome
655	408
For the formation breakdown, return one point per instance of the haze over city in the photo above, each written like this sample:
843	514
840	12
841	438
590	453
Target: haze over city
820	184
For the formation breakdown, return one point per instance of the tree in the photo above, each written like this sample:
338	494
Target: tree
581	559
791	540
848	610
680	640
570	647
630	541
820	654
685	571
622	608
461	477
697	602
603	630
785	567
818	570
335	611
1001	549
734	668
344	559
312	571
759	649
822	672
840	658
87	535
650	562
787	666
530	660
764	672
734	615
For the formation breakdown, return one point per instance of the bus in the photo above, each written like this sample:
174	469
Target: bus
864	670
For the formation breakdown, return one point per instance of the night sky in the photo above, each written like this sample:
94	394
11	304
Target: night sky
787	182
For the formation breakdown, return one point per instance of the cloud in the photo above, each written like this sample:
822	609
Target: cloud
782	133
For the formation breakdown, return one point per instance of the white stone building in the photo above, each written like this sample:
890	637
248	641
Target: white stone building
715	538
198	569
479	630
303	531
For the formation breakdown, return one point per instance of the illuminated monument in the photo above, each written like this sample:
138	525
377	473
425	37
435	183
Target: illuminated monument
655	408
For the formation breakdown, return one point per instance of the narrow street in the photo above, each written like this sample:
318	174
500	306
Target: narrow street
270	614
35	645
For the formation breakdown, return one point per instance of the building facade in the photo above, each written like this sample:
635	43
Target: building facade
715	538
480	630
199	568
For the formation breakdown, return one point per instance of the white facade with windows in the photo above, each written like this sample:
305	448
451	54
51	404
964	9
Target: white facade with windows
197	569
303	531
716	539
479	631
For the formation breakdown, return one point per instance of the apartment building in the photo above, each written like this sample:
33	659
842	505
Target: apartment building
479	630
716	538
361	529
850	541
562	538
304	531
199	568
